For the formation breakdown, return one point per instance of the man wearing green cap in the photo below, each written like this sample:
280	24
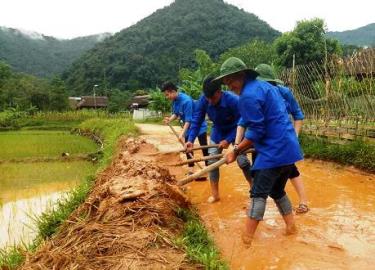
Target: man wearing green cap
270	131
266	73
221	107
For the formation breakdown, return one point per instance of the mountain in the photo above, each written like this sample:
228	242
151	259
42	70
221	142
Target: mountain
155	48
363	36
40	55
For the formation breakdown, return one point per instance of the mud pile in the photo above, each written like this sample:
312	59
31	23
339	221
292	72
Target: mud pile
127	222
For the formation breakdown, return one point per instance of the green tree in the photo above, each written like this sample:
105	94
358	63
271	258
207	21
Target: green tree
252	53
119	100
58	95
159	103
5	72
307	42
192	80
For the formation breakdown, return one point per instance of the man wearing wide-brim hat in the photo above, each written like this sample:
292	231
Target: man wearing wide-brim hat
269	130
266	73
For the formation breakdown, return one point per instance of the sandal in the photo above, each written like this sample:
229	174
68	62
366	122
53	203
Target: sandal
302	209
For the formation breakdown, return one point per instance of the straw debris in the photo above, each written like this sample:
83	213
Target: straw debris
127	222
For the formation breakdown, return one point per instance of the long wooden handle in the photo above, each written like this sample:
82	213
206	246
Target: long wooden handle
199	159
203	147
182	143
208	169
201	172
184	150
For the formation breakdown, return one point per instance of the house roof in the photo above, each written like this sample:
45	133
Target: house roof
141	100
92	102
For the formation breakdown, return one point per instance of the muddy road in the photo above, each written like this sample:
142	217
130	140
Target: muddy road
337	233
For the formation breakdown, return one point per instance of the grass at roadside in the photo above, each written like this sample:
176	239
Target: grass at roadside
198	244
358	153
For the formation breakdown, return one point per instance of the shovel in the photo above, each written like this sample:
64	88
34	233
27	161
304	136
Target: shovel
207	169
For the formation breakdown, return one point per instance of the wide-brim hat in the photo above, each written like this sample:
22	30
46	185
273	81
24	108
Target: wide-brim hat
267	74
233	65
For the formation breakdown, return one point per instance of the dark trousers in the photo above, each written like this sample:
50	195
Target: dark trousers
202	141
271	182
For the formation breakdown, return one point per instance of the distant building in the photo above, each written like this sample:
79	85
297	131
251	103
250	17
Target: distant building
139	102
73	102
88	102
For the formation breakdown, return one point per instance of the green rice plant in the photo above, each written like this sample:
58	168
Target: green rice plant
22	144
196	241
22	180
109	130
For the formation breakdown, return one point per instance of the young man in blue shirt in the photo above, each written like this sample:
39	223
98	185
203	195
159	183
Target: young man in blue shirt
267	74
222	109
183	107
271	132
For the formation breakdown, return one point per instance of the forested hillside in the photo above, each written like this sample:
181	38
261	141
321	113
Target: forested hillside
41	55
157	47
363	36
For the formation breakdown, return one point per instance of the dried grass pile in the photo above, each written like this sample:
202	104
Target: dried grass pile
127	222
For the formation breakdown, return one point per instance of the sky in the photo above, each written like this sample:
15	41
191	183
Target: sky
73	18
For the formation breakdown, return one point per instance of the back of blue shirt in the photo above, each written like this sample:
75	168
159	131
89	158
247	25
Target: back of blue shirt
224	116
264	114
291	103
183	106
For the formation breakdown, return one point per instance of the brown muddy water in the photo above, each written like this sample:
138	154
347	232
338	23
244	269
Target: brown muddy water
337	233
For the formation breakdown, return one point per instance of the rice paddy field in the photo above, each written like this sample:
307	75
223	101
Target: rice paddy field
37	143
29	186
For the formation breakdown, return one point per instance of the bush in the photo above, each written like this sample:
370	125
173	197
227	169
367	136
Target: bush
10	118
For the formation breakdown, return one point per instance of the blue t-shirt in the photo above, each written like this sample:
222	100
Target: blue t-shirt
183	106
224	116
291	104
266	118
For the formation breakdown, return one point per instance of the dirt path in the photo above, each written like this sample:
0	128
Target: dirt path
338	232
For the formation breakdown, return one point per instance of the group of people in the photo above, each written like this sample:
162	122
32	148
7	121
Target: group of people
255	113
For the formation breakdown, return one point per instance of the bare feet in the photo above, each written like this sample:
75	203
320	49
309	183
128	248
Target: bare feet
213	199
291	229
247	239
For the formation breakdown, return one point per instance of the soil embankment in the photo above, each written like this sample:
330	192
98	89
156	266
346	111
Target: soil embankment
127	222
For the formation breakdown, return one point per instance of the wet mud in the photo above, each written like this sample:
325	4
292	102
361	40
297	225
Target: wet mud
337	233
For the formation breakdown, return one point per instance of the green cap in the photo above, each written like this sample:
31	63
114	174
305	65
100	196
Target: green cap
267	74
233	65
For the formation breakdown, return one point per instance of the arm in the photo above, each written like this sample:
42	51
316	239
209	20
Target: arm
233	105
185	128
239	134
169	119
252	114
197	119
298	126
187	108
295	111
231	137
